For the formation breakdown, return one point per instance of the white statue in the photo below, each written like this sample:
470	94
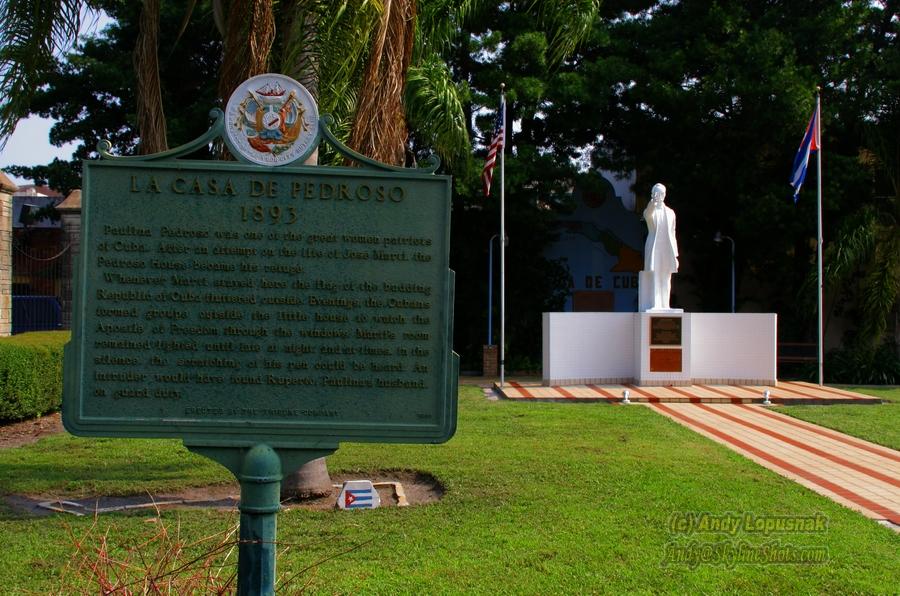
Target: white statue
660	251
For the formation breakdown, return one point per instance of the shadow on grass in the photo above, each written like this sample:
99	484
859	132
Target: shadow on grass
65	465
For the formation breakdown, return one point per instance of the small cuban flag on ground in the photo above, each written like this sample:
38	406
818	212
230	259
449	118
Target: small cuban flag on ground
358	494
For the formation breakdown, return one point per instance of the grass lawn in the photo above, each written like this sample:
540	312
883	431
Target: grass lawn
541	498
879	423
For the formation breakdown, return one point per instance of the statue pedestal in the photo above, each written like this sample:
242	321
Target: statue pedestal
637	347
662	340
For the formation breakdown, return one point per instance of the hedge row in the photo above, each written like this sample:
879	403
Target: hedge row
31	374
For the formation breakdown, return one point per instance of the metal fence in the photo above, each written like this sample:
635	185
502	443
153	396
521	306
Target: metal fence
38	270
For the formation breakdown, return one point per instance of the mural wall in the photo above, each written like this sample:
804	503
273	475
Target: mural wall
601	243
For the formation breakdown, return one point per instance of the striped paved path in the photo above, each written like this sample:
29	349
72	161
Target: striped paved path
858	474
785	392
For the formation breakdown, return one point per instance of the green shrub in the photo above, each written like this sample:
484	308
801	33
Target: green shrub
31	374
864	365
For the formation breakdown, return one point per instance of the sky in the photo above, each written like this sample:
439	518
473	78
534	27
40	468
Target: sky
30	146
30	143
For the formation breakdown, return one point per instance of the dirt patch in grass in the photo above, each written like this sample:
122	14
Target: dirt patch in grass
17	434
415	488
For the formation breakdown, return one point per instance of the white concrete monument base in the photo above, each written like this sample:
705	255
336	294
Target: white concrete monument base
659	348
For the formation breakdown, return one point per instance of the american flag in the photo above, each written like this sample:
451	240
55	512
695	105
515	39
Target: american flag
487	172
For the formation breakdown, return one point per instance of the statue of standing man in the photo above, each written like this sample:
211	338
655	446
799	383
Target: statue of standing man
660	252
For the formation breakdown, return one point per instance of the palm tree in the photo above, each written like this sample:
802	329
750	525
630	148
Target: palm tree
377	68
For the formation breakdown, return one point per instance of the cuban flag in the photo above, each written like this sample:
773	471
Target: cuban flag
360	498
358	494
487	173
812	141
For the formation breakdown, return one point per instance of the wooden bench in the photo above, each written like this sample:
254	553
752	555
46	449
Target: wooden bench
796	352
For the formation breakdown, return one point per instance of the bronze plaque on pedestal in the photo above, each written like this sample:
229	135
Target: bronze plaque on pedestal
665	360
665	331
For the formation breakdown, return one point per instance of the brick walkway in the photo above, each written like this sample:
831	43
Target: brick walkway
860	475
786	392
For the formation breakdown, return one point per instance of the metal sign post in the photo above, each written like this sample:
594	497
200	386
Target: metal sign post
259	470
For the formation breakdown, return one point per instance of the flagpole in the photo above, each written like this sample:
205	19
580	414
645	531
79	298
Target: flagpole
821	355
503	241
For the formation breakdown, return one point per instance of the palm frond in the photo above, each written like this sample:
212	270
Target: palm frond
852	248
32	35
438	22
434	108
567	23
882	287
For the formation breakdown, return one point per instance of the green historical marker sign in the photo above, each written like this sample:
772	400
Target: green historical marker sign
292	306
261	310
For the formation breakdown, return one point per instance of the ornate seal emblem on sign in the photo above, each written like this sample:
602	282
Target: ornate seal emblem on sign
271	120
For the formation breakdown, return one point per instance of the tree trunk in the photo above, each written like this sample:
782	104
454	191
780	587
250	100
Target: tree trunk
379	128
309	482
299	44
249	34
151	119
300	51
